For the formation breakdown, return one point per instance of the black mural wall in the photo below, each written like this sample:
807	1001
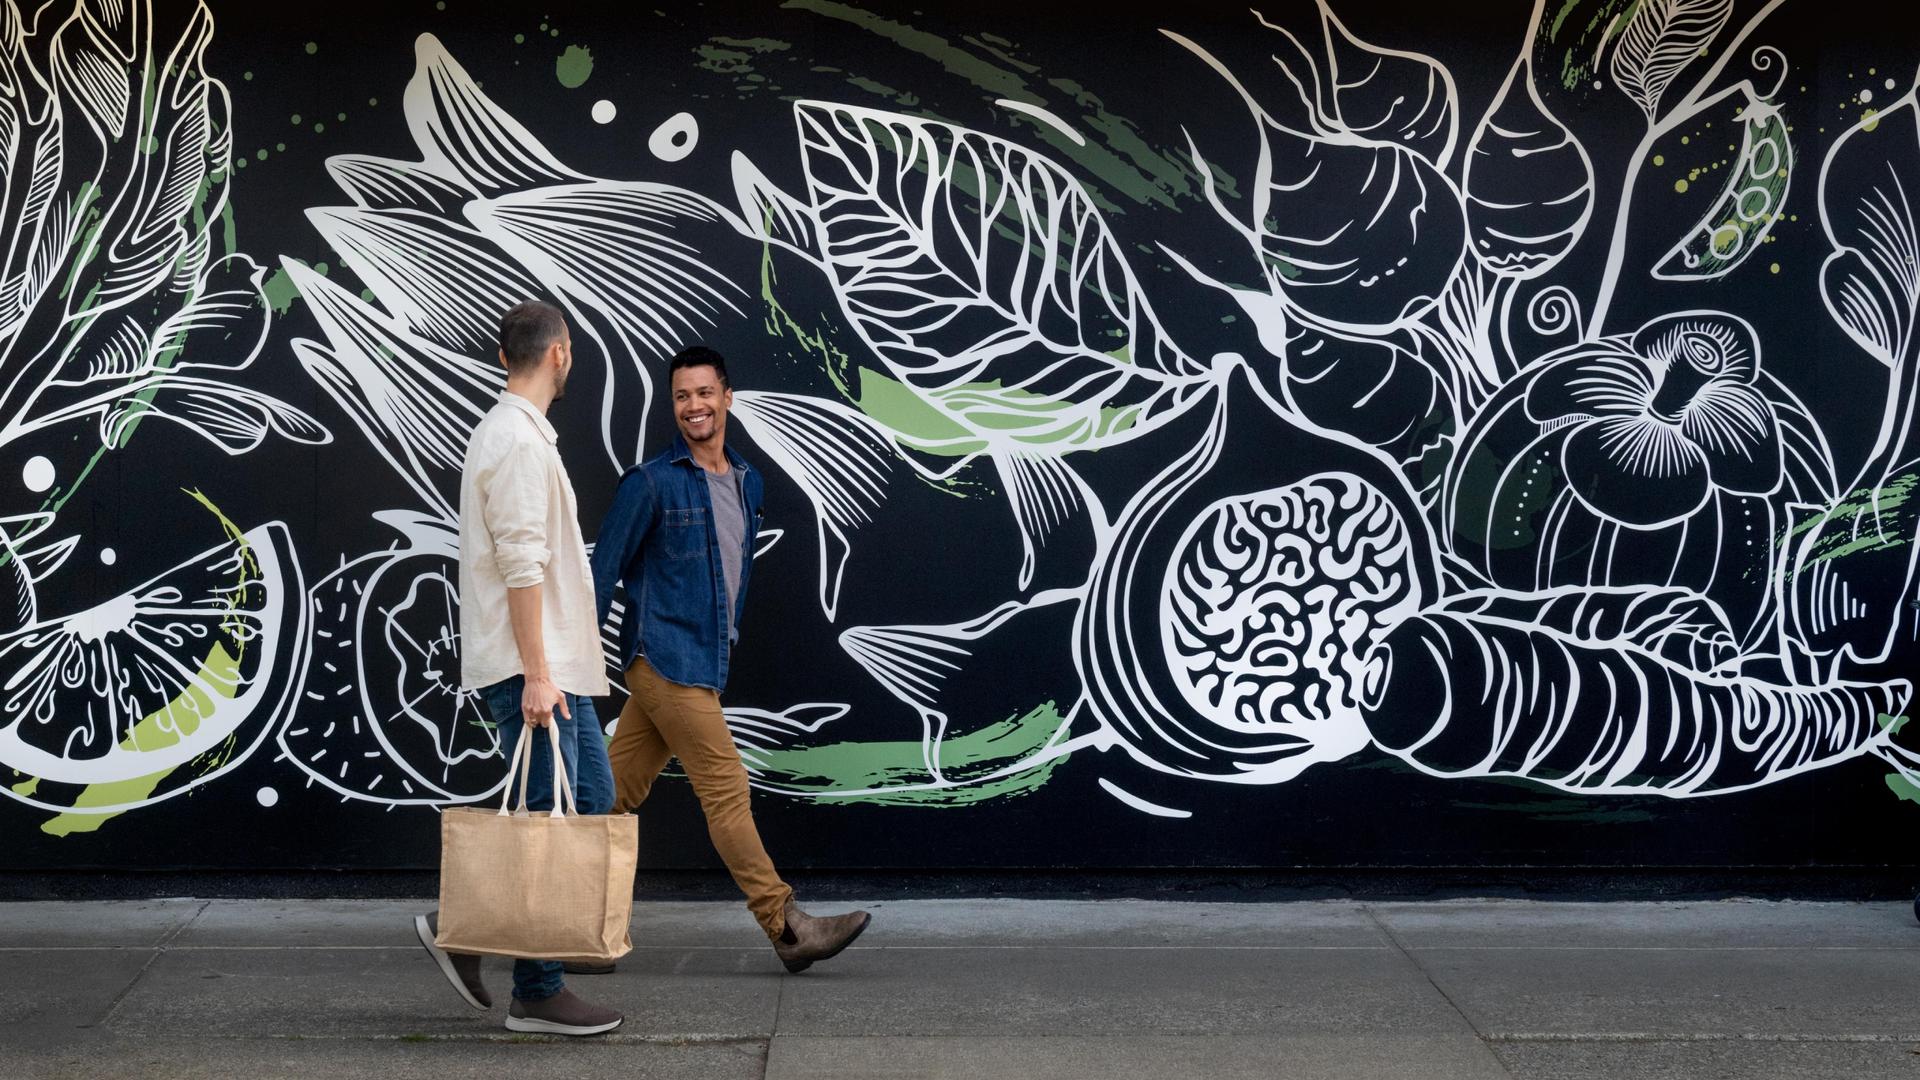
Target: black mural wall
1359	434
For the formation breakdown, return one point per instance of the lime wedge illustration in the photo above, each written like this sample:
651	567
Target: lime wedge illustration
158	689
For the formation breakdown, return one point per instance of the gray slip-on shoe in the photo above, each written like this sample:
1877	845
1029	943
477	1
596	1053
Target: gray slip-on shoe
562	1014
461	969
809	938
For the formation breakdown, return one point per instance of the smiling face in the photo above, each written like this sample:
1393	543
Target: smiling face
700	404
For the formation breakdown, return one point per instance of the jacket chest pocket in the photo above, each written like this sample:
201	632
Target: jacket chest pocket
683	534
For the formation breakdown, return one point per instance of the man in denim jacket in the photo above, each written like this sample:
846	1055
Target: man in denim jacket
679	538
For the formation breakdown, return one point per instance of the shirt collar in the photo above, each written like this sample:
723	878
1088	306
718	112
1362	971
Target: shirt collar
679	452
533	411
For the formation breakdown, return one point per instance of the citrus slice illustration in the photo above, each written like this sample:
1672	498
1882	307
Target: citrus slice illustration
159	689
389	721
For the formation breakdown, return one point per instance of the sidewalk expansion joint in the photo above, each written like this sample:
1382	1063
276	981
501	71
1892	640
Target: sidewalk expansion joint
1400	946
159	950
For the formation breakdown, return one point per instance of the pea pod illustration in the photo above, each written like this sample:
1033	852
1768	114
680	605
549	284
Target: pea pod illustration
1741	217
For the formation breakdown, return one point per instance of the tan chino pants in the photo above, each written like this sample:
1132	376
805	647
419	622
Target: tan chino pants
663	719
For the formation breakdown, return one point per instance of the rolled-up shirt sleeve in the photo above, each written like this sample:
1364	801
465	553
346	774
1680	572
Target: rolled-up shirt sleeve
516	515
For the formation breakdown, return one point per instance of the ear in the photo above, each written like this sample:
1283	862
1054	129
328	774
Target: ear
503	360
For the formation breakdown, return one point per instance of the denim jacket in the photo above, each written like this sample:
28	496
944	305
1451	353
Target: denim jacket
659	543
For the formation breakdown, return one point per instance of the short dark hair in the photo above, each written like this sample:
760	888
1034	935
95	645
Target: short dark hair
700	356
527	330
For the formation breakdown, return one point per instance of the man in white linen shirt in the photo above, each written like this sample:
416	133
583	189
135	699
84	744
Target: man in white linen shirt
529	639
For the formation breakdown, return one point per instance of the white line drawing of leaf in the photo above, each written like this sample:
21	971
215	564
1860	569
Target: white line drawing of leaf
841	459
1660	40
642	258
773	215
1870	209
115	347
221	329
20	528
914	663
230	308
95	46
180	141
1870	284
33	223
379	183
985	280
41	563
629	249
37	236
1808	457
1045	492
760	732
463	135
115	206
184	372
416	402
1476	694
234	418
436	277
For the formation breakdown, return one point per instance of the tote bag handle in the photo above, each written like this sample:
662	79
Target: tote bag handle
521	768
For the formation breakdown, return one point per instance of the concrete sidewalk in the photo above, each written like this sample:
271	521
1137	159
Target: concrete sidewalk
988	989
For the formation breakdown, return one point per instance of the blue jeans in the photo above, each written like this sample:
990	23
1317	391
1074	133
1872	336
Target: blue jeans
583	750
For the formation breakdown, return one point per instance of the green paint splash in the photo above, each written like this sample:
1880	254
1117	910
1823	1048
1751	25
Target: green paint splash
1582	39
279	291
574	67
861	766
1862	503
1125	163
1903	787
161	728
759	45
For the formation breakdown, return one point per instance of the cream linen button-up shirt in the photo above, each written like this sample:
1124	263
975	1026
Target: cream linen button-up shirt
519	526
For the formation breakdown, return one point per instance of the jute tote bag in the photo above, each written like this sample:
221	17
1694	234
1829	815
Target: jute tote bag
537	886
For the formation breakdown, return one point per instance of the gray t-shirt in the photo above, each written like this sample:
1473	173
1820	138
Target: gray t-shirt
730	526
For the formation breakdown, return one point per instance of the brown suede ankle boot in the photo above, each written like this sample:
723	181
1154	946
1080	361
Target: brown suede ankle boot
808	938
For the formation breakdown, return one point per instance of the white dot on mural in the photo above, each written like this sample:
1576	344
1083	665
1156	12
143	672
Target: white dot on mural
1866	96
38	474
1891	84
108	556
675	139
604	111
267	796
